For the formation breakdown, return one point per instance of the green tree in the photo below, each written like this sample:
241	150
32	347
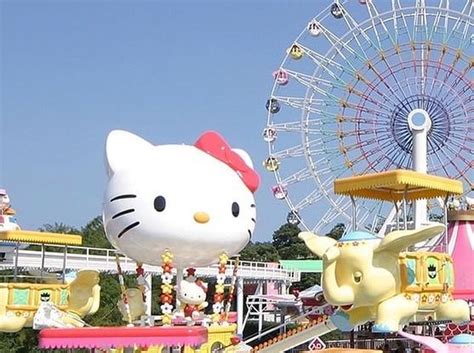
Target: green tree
288	245
108	313
94	234
264	252
24	341
337	231
59	228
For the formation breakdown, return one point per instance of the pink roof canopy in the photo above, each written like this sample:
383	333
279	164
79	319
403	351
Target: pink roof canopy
461	248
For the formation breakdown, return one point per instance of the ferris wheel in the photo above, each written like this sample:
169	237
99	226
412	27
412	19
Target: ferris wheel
342	95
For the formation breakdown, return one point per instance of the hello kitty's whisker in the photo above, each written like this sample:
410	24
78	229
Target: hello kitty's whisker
123	213
124	196
127	228
253	220
250	233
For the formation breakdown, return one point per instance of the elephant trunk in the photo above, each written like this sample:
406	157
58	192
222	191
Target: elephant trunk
335	294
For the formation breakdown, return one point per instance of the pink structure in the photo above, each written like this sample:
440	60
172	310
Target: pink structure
461	248
113	337
462	343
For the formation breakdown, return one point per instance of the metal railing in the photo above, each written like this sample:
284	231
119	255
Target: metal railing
104	261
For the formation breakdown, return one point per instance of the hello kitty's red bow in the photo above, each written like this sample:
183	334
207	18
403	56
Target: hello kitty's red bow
215	145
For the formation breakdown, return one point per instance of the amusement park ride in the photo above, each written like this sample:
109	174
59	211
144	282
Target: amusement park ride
386	138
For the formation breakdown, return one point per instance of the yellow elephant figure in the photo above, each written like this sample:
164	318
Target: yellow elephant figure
19	302
373	279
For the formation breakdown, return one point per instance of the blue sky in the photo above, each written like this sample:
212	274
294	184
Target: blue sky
71	71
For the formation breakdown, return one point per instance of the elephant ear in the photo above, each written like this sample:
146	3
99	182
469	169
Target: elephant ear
317	244
430	342
401	239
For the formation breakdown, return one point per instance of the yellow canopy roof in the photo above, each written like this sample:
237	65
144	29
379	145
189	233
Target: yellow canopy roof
391	185
26	236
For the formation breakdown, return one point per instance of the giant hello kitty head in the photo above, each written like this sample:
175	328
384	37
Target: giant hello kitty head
196	201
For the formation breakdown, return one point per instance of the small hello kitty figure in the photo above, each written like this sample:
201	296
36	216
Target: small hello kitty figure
192	296
195	201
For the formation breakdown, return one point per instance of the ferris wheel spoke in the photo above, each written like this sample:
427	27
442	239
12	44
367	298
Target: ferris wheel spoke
440	64
392	155
328	65
463	138
436	165
380	132
397	81
382	156
461	28
450	71
460	79
384	82
310	82
373	88
313	106
308	79
299	176
366	157
404	160
398	14
455	156
355	31
314	125
460	144
338	45
367	142
362	120
329	216
367	98
374	18
450	161
291	152
312	198
420	34
439	26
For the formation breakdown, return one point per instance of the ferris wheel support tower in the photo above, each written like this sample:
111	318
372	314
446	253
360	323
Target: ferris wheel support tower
419	123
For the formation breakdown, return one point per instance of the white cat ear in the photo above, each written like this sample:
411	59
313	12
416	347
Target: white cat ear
245	156
122	149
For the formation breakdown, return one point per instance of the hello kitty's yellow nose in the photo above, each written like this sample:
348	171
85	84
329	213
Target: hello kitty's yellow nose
201	217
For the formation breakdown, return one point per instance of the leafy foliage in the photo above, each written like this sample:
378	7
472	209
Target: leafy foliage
59	228
265	252
337	231
93	234
288	245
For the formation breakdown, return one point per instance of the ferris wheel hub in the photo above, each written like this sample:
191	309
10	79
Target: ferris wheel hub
419	120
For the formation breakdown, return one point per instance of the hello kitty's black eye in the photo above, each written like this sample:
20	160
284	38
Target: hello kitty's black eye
235	209
160	203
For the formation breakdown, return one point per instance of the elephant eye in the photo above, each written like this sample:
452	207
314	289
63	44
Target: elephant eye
357	277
